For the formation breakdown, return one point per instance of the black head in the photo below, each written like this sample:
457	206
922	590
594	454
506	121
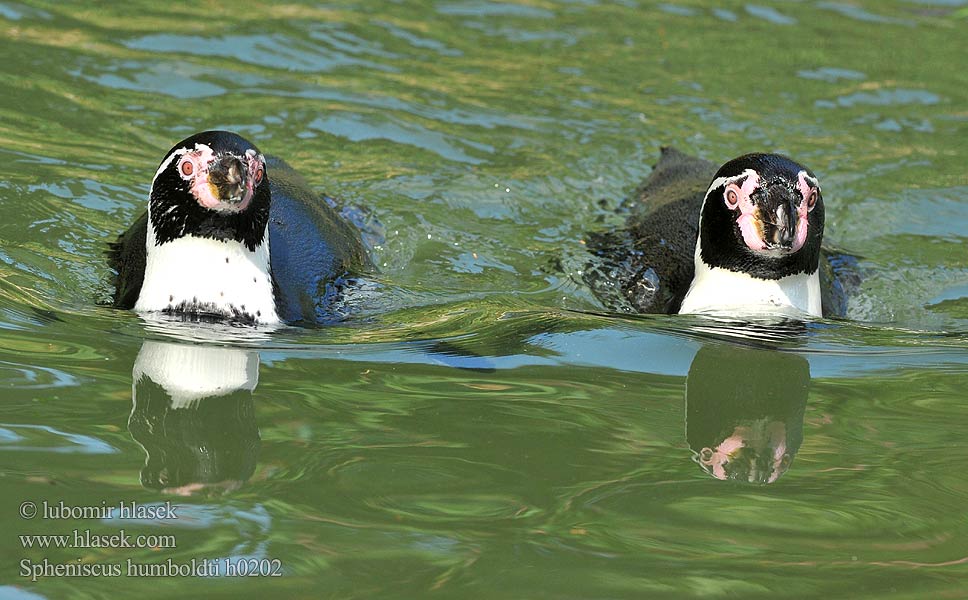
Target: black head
212	185
763	215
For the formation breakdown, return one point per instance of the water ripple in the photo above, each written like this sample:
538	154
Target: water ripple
494	9
357	128
855	12
831	74
770	14
273	50
892	97
43	438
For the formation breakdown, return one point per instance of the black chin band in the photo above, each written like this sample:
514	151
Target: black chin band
175	213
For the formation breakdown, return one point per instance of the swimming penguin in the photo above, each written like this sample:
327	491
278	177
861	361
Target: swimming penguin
744	239
230	234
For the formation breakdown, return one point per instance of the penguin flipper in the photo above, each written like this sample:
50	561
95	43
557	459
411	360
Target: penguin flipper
840	278
127	257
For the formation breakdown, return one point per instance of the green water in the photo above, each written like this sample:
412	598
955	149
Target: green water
483	428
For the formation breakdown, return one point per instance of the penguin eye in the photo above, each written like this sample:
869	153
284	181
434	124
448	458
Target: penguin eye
187	167
812	200
731	197
259	175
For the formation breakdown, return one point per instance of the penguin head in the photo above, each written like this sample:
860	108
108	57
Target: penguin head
213	184
763	215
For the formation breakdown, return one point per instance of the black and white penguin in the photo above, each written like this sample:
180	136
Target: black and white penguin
744	239
231	234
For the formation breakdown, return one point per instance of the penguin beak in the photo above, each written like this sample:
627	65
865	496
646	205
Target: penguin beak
227	176
778	217
784	227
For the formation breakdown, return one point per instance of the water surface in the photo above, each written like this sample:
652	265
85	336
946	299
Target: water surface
484	428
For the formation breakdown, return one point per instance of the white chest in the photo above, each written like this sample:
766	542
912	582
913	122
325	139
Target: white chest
723	292
200	275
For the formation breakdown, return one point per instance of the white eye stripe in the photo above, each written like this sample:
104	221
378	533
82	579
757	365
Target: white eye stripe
719	182
164	165
724	181
201	148
811	180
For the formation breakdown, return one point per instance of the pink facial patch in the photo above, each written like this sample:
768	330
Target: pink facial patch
194	167
256	173
808	186
738	198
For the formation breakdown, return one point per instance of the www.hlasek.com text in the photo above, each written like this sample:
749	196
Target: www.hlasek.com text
83	538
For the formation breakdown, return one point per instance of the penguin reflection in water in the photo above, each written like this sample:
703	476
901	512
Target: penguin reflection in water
744	411
193	414
233	235
744	239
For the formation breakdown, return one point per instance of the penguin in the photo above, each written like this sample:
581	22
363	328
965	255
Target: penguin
743	239
233	235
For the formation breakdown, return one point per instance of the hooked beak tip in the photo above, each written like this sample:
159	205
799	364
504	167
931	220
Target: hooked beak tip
228	177
785	237
784	229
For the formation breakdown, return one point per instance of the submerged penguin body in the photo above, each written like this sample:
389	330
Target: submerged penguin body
232	235
662	232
